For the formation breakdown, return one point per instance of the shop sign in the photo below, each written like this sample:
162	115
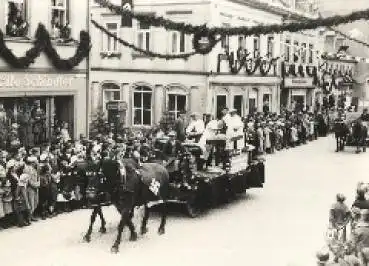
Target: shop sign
116	106
9	80
299	82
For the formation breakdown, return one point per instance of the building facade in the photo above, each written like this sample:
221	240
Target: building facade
240	72
41	88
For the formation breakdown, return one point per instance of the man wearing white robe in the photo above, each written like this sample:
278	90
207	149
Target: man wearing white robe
235	128
196	127
209	133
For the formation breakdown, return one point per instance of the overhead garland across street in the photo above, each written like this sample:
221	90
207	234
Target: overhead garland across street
306	24
43	43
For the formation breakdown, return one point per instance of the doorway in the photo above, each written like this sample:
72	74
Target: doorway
238	104
64	112
221	103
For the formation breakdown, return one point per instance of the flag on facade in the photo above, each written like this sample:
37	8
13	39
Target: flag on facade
127	20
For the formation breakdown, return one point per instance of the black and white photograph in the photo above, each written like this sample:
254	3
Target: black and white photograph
184	132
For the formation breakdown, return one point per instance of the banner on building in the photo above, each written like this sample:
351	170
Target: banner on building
127	20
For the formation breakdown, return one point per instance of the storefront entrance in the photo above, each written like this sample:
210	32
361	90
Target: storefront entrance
38	116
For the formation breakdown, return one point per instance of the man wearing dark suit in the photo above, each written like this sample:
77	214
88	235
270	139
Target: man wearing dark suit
180	127
172	147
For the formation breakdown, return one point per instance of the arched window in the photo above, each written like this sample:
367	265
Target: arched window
142	106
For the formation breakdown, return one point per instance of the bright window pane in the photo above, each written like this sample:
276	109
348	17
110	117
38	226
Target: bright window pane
174	42
140	40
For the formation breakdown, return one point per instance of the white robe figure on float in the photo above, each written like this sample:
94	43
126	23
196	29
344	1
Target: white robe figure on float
209	133
235	128
196	127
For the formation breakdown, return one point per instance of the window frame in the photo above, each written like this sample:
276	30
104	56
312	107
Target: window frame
287	50
108	41
142	92
224	42
176	112
180	46
270	46
65	8
146	37
304	53
25	16
106	89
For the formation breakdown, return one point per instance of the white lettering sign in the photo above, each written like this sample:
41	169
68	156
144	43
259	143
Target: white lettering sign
299	82
34	81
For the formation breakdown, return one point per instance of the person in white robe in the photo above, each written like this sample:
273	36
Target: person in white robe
235	128
209	133
196	127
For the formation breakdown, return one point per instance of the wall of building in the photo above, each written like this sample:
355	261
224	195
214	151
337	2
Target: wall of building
42	79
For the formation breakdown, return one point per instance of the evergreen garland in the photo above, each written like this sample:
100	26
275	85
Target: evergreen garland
43	43
306	24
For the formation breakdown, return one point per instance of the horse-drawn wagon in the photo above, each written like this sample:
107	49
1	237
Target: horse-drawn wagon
199	184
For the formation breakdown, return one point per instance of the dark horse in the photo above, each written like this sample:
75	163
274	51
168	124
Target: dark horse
128	186
359	135
341	131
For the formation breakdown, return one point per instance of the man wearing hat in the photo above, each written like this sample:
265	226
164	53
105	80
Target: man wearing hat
196	127
171	148
339	214
39	117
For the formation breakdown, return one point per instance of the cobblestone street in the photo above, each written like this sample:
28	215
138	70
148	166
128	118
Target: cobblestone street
282	224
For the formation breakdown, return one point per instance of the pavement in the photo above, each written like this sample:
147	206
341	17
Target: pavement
283	224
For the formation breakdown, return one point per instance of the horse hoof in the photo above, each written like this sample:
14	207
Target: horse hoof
114	250
161	231
144	231
133	237
87	239
102	230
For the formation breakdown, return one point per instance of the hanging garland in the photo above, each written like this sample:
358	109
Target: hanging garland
203	41
137	49
43	43
266	65
306	24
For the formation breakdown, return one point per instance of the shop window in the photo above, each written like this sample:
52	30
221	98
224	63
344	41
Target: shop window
270	46
143	36
176	104
238	104
287	51
110	44
142	106
303	53
178	41
16	21
60	19
311	53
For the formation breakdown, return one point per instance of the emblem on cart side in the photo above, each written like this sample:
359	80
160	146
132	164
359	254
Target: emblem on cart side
154	186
